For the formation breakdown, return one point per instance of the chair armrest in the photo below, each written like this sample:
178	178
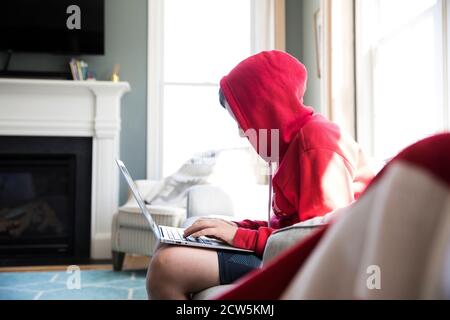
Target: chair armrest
207	200
284	239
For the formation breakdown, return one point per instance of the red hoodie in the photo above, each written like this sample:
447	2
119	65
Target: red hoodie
320	168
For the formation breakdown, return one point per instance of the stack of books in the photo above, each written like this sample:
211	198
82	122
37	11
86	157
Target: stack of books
79	69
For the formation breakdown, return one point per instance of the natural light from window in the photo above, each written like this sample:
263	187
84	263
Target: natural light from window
407	74
203	41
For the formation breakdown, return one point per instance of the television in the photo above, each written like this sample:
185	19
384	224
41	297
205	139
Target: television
69	27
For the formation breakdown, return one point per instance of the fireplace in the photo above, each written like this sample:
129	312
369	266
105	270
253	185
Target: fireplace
78	111
45	200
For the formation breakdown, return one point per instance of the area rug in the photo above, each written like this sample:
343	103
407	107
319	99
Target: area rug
84	285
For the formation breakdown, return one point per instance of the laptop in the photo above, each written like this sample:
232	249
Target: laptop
172	235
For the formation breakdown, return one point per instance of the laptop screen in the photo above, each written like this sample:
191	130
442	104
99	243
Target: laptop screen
138	198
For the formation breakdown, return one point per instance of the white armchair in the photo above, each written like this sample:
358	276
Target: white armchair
131	233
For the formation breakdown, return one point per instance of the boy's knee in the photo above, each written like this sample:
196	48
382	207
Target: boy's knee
162	262
161	265
160	271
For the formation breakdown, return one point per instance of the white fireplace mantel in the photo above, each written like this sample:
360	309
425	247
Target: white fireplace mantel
73	109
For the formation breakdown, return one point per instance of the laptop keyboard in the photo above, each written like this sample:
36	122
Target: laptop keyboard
177	235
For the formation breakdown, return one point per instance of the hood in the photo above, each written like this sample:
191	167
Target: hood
266	91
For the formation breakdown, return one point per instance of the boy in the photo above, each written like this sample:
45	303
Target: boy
319	169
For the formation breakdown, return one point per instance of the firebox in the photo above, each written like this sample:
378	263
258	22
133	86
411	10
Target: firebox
45	200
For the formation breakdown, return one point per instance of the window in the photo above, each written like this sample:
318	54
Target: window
192	45
402	73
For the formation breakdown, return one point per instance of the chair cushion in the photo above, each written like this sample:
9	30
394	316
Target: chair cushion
174	188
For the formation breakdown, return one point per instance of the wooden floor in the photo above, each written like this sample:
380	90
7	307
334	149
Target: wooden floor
131	263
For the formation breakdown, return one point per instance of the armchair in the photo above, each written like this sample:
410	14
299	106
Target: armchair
278	242
202	200
132	235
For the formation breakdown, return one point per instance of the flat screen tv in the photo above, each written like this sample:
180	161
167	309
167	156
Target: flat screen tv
52	26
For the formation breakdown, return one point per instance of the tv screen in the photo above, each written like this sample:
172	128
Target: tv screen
52	26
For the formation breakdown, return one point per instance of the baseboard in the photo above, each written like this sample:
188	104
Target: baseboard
101	246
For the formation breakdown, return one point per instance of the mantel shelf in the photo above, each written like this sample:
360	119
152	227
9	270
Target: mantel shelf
69	83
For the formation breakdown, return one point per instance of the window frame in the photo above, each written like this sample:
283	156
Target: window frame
268	32
365	58
338	62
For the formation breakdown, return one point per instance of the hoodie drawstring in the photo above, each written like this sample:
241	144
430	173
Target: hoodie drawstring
270	194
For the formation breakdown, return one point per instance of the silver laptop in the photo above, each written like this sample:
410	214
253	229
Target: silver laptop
172	235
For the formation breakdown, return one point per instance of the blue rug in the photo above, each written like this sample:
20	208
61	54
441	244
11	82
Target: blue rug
90	285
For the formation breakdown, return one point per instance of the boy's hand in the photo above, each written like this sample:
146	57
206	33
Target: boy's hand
214	228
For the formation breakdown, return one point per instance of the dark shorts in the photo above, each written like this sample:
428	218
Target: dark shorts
234	265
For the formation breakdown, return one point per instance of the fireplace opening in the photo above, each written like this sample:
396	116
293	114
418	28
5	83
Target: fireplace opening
45	197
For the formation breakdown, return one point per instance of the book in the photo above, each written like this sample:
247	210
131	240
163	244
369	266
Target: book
80	74
84	69
73	69
79	69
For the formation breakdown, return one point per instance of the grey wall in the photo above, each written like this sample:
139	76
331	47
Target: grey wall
300	43
125	44
294	27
